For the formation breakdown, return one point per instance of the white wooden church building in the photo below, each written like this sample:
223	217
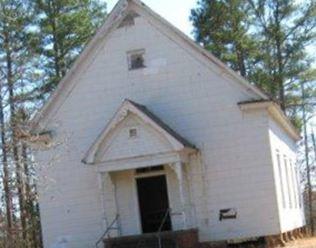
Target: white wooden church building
147	122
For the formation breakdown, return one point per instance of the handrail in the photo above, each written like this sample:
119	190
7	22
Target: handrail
110	227
168	211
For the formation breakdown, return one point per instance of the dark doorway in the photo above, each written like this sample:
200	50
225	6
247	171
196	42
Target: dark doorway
153	203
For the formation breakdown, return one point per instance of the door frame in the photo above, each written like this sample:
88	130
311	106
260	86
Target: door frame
150	174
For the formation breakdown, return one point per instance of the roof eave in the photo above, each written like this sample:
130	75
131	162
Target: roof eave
275	112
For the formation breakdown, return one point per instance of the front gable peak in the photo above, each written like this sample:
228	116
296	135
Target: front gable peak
123	15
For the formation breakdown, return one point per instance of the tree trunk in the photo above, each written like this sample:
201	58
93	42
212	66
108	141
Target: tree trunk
31	203
37	224
28	196
279	79
280	71
314	144
15	151
6	176
241	60
308	169
56	49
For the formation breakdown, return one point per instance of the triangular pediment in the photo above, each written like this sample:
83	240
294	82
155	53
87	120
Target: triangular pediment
134	131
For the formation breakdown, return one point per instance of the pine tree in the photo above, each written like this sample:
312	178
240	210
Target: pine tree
268	38
222	26
5	168
15	22
65	26
284	28
38	42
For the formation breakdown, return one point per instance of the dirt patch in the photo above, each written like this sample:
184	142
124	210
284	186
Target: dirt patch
303	243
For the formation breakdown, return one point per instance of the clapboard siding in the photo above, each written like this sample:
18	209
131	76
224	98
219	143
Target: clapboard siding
290	216
234	168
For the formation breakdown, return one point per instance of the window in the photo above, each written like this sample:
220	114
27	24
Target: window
281	179
297	180
294	184
288	181
136	59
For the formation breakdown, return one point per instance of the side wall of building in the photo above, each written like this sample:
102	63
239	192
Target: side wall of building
239	175
287	181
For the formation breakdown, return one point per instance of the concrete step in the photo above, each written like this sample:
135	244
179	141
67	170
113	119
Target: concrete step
143	244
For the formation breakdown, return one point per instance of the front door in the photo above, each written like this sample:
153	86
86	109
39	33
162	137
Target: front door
153	203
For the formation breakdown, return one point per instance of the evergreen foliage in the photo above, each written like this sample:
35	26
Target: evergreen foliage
266	41
65	26
39	40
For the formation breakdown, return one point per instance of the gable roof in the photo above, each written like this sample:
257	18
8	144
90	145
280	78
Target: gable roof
161	124
114	19
176	140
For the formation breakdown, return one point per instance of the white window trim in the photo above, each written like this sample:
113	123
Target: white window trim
288	180
281	178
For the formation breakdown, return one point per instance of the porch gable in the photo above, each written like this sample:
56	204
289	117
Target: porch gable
134	133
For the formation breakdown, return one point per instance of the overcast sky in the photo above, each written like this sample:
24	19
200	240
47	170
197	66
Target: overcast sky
175	11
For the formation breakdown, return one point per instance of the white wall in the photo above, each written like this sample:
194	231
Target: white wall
290	204
239	175
70	206
126	194
198	101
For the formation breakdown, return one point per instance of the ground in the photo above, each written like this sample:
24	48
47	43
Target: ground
309	242
304	243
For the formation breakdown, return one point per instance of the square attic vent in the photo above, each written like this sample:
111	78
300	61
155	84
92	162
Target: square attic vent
136	59
132	133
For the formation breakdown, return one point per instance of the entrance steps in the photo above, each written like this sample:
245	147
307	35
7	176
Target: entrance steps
169	239
189	239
